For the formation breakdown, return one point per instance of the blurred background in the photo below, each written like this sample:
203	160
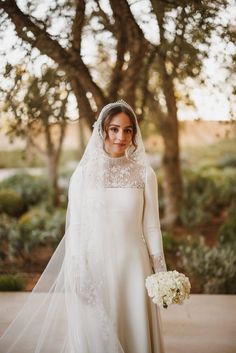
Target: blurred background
174	62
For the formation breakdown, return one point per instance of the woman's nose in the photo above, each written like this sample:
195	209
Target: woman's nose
121	135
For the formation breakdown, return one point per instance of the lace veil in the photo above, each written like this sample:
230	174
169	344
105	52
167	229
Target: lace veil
69	310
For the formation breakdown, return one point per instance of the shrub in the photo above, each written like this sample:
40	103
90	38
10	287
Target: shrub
170	246
12	283
206	193
227	190
215	267
55	227
7	225
227	161
36	227
30	228
197	197
227	231
169	242
11	202
32	189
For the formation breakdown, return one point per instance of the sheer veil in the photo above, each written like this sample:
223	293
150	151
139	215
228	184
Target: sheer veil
69	310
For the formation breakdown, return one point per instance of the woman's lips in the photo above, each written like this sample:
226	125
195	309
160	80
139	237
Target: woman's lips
120	144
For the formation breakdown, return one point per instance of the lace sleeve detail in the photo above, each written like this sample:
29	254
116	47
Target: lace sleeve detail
158	263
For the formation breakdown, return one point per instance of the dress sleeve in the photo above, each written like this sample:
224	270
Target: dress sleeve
151	222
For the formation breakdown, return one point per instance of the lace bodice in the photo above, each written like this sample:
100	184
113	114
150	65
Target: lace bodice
123	172
115	172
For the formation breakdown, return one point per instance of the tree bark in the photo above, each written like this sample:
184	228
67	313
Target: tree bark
172	182
53	153
53	177
136	47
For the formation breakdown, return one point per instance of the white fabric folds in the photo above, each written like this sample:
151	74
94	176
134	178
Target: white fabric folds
91	298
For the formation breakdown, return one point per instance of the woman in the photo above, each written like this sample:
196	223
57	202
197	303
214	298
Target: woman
92	298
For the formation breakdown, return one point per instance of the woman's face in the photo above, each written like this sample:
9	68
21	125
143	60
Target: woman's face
120	132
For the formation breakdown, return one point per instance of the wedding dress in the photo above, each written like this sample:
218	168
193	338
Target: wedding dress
92	298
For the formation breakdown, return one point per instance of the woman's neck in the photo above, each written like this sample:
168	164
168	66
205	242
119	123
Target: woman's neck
112	156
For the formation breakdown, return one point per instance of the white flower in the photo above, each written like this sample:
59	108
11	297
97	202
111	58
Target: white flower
169	287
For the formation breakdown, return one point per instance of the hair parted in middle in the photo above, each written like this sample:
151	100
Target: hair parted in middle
109	115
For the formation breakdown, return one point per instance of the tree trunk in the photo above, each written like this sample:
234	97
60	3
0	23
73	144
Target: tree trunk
82	142
53	177
53	153
172	182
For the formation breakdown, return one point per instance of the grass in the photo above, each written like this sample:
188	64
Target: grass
210	155
17	159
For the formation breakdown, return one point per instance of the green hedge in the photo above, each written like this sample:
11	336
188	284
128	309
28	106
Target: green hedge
227	231
214	267
206	193
11	202
35	228
12	283
31	189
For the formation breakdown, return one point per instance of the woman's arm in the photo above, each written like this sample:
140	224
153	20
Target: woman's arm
151	222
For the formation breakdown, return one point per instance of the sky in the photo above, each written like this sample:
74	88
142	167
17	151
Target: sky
210	102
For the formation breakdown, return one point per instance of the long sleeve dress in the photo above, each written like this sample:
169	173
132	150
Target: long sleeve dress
134	246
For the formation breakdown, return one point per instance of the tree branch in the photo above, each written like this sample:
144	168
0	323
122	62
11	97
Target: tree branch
136	44
77	26
105	19
85	110
159	11
70	61
33	34
116	77
144	77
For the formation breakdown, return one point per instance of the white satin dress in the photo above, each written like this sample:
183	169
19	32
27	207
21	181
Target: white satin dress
133	222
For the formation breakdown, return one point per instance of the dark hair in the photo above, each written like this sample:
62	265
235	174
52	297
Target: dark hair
113	112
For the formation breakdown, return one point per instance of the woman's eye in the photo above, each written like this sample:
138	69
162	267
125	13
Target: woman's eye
128	131
114	129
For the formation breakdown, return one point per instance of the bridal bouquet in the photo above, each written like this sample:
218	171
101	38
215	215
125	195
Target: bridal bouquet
170	287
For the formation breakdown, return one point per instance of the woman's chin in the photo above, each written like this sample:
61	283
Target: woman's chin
117	152
120	149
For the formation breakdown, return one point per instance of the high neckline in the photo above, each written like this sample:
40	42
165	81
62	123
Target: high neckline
113	158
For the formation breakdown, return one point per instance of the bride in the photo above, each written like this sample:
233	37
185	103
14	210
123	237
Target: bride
91	298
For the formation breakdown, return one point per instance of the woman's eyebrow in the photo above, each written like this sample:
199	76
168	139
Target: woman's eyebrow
119	126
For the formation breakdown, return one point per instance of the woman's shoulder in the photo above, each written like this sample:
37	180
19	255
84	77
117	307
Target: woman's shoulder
150	170
150	174
136	167
145	171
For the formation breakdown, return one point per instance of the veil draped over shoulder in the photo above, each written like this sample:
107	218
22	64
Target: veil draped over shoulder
69	309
